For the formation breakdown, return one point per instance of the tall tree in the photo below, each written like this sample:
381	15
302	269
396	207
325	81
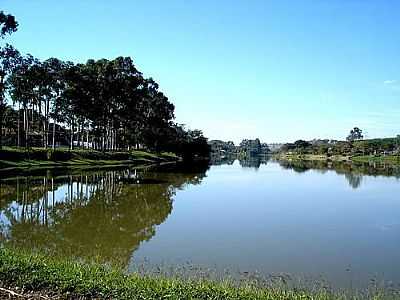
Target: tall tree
8	24
24	82
55	69
8	58
355	134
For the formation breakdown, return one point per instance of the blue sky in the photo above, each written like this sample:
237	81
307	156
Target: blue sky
277	70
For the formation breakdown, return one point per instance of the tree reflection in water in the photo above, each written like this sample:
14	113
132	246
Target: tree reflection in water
245	161
101	215
353	172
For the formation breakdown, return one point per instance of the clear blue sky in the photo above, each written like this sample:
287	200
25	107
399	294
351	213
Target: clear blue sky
278	70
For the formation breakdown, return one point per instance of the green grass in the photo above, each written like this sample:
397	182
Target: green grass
394	159
148	155
35	272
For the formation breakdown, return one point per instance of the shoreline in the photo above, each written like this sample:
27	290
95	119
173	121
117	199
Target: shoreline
20	160
391	159
28	273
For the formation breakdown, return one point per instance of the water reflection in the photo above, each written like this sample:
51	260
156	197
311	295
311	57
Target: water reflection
300	218
245	161
352	171
354	180
253	162
236	219
89	214
217	160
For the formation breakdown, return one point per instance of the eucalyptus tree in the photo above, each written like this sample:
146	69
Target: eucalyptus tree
355	134
108	96
72	96
8	24
128	98
8	59
55	69
42	94
186	143
112	99
93	92
157	113
129	85
105	101
24	90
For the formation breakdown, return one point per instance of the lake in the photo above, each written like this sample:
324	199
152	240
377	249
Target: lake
336	221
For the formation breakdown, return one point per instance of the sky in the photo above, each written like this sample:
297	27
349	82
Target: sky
277	70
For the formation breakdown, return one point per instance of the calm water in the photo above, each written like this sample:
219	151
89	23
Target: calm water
338	221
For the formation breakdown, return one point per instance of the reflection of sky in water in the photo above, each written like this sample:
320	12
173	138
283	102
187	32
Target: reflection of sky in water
270	219
277	220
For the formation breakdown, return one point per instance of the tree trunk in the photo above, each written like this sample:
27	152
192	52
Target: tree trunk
26	123
54	134
47	121
18	125
87	138
2	110
83	135
44	134
1	126
2	90
77	135
43	124
72	135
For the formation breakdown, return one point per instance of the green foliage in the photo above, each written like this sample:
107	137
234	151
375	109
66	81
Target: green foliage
300	146
8	58
355	134
8	24
252	147
379	147
106	102
369	147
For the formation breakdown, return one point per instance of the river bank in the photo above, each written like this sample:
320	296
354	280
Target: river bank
392	159
11	158
42	277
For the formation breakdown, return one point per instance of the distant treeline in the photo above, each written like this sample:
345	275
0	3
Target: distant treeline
246	147
384	146
102	104
354	145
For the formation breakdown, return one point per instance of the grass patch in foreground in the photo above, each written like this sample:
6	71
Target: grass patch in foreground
40	273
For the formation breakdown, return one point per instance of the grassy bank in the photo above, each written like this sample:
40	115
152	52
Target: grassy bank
27	273
36	157
338	158
392	159
311	157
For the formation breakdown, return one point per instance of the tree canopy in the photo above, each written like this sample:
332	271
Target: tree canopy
355	134
8	24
